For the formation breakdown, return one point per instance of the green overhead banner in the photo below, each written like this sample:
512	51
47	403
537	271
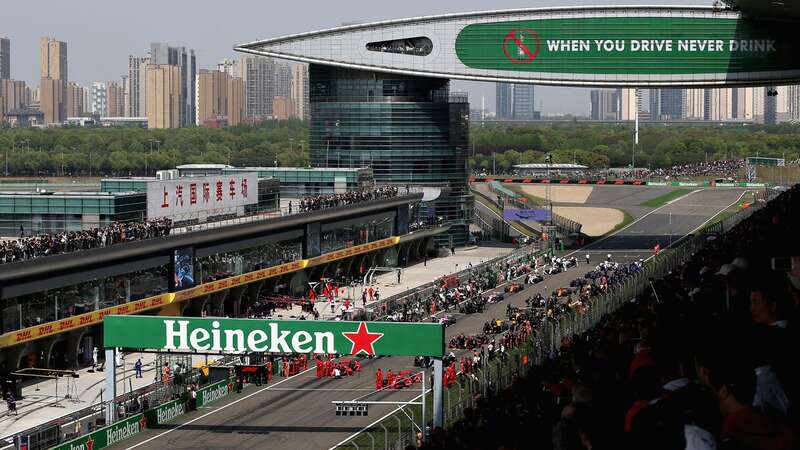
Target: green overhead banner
630	45
220	335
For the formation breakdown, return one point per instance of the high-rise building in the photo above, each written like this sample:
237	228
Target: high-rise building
300	91
742	100
630	103
503	100
283	80
164	105
99	105
718	104
671	104
231	67
115	99
54	76
13	95
219	97
693	104
793	100
259	74
5	58
75	105
136	87
282	108
357	122
604	104
776	107
654	104
515	101
162	54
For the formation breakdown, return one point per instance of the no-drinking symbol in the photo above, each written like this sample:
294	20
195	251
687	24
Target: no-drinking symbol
521	46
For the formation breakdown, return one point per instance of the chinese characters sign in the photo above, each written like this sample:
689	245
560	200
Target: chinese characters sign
193	195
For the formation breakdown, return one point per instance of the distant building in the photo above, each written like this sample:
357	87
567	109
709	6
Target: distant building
99	105
13	95
24	118
671	104
629	104
5	58
742	100
655	104
160	54
515	101
604	104
136	86
219	96
75	96
282	108
54	76
115	100
258	74
718	104
693	104
163	96
300	91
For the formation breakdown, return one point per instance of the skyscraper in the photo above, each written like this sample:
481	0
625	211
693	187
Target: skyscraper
115	99
258	73
99	106
53	86
693	104
515	101
503	100
793	94
5	58
164	105
13	95
718	104
75	94
162	54
300	91
604	104
654	104
219	96
629	104
671	104
136	87
283	80
742	100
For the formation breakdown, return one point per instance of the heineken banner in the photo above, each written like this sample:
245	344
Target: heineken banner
165	413
638	45
214	392
108	436
220	335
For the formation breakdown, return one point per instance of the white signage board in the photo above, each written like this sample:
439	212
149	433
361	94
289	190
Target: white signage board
201	196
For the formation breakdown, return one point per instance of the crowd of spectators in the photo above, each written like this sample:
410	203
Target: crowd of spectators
723	168
703	360
322	201
31	247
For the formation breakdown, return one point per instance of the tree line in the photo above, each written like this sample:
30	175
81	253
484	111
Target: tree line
76	151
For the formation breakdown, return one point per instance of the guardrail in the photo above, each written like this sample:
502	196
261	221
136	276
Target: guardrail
398	429
564	226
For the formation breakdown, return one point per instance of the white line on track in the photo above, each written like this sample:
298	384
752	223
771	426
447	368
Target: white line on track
217	410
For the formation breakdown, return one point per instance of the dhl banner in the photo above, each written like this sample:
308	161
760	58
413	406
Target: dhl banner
96	317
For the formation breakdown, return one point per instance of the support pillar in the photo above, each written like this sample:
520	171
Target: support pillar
110	394
438	394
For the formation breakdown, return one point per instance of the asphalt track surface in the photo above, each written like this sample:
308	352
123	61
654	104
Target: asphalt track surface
297	412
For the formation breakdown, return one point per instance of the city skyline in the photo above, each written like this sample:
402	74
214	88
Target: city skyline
101	38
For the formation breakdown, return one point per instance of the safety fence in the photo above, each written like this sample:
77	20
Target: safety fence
398	429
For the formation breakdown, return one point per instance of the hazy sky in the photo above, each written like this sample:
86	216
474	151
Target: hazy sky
101	34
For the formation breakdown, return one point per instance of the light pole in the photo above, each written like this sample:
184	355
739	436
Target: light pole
670	230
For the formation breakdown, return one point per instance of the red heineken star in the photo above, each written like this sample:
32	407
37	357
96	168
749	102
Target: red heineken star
142	423
90	443
362	340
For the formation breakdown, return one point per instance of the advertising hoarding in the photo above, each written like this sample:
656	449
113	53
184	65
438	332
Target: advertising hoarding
536	215
191	196
218	335
638	45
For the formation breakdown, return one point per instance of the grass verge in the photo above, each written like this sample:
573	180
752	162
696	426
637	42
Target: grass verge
662	200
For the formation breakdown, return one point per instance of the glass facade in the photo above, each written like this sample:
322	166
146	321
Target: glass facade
407	129
337	237
229	264
42	213
56	304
